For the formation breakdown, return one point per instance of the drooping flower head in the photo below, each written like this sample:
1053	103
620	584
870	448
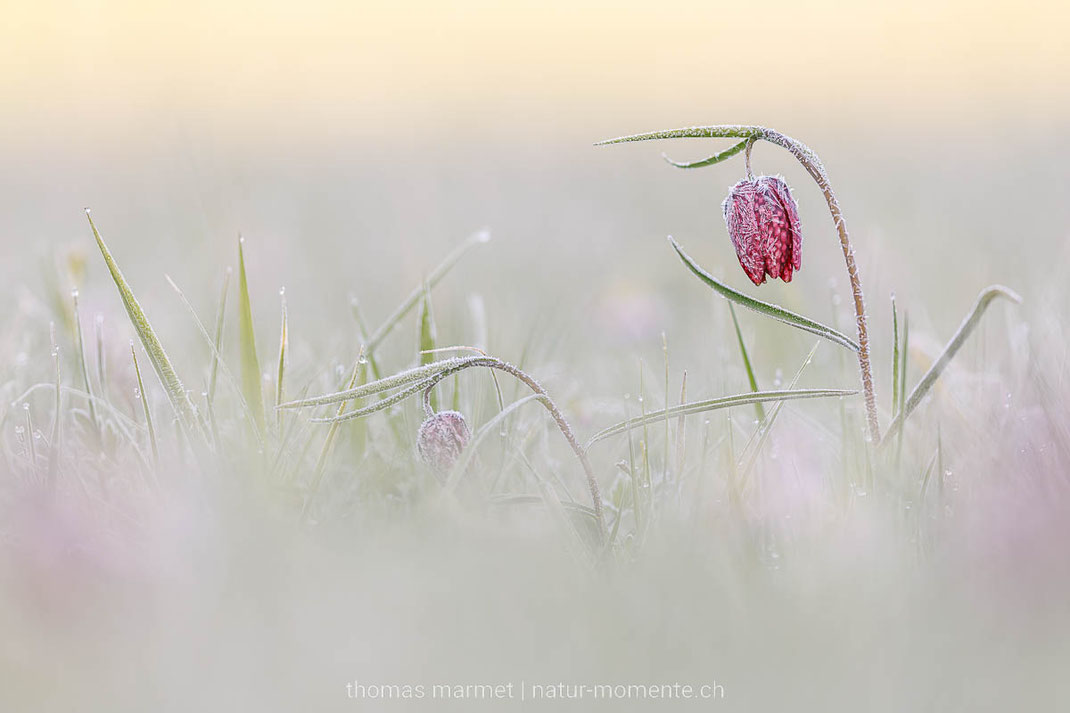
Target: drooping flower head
763	223
441	439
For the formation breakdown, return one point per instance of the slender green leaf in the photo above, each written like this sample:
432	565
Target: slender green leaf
83	361
427	337
381	404
766	426
758	408
145	407
961	335
220	321
717	403
176	393
722	131
251	378
217	357
716	158
57	431
895	358
419	373
770	310
283	340
321	461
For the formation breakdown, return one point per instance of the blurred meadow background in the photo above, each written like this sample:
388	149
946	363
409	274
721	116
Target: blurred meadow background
353	146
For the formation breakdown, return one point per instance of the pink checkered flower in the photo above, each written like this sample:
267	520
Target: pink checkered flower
763	223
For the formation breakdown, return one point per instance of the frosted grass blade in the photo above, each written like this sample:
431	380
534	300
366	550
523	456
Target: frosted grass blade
717	403
758	408
176	393
770	310
963	333
252	388
220	321
716	158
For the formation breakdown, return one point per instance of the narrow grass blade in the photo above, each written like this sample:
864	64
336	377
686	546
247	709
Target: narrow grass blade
758	408
903	361
217	357
251	378
176	393
380	404
722	131
716	158
145	407
57	430
770	310
321	461
220	321
766	426
102	360
433	279
427	337
895	359
927	476
83	361
961	335
416	374
717	403
283	339
681	432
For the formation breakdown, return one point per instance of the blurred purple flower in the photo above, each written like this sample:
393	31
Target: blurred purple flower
441	439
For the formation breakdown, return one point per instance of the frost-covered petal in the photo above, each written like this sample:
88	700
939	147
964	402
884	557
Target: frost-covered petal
763	224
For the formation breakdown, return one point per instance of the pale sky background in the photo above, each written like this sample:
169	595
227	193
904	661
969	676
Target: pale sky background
80	70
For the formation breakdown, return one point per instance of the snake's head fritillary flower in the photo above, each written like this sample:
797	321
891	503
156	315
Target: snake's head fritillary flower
441	439
763	223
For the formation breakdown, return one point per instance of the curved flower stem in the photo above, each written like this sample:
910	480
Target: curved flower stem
555	413
816	169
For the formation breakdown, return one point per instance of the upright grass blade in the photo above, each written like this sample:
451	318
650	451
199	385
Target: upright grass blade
176	393
903	361
217	357
770	310
961	335
714	404
145	406
758	408
427	337
283	339
57	430
220	321
681	432
716	158
895	358
82	360
102	361
252	388
766	426
321	461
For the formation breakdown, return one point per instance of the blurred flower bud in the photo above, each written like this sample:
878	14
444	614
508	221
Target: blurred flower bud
441	439
763	223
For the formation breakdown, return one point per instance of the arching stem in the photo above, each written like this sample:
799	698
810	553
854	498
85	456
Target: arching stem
816	169
555	413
